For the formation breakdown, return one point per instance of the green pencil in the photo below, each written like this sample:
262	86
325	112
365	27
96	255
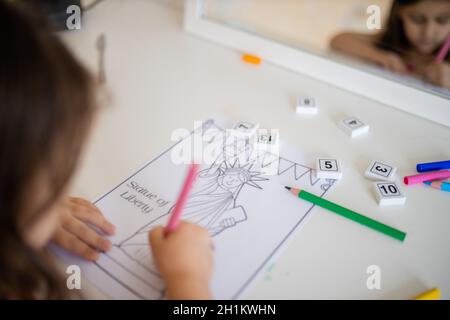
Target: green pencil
349	214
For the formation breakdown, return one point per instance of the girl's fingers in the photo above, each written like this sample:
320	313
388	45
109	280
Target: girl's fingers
89	213
83	232
156	235
82	204
80	201
399	68
386	65
434	74
429	75
396	66
393	63
71	243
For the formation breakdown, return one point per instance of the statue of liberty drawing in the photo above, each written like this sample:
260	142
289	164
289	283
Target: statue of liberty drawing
213	205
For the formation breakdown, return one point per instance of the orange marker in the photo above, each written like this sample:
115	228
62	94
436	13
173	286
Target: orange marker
251	58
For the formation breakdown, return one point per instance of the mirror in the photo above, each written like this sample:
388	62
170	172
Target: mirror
395	39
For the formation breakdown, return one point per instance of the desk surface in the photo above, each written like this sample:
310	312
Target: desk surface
160	79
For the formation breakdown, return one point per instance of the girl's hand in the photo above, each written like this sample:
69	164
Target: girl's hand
76	232
390	61
438	74
184	259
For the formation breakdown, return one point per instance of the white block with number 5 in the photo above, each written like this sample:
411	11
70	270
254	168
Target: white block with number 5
353	126
388	193
328	169
378	170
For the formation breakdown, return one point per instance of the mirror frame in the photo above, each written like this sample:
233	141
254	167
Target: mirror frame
387	91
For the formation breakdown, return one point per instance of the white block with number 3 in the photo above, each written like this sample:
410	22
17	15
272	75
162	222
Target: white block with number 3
267	137
328	169
388	193
378	170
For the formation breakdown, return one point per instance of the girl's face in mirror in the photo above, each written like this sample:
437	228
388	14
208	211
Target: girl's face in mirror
426	24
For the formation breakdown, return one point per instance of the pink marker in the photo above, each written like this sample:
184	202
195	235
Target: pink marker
443	52
184	194
437	175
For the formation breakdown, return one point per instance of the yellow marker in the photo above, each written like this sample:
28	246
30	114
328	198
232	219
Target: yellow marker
433	294
251	59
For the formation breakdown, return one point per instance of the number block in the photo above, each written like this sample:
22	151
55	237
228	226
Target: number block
380	171
306	105
353	126
267	136
388	193
244	129
328	169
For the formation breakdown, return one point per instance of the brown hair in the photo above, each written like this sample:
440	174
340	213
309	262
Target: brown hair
46	108
394	38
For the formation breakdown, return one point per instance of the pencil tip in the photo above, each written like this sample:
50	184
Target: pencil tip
289	188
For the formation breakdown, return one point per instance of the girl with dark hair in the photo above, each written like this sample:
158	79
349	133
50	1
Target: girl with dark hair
47	106
414	33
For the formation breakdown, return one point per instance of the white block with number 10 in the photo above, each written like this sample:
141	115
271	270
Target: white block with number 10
378	170
388	193
328	169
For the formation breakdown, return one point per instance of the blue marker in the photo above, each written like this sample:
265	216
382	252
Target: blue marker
433	166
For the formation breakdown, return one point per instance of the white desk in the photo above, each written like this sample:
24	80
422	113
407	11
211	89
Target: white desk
162	79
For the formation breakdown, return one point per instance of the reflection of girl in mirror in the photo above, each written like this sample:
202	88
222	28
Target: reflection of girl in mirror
415	32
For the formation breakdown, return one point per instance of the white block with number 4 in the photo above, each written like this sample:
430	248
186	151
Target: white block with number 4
378	170
388	193
353	126
328	169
